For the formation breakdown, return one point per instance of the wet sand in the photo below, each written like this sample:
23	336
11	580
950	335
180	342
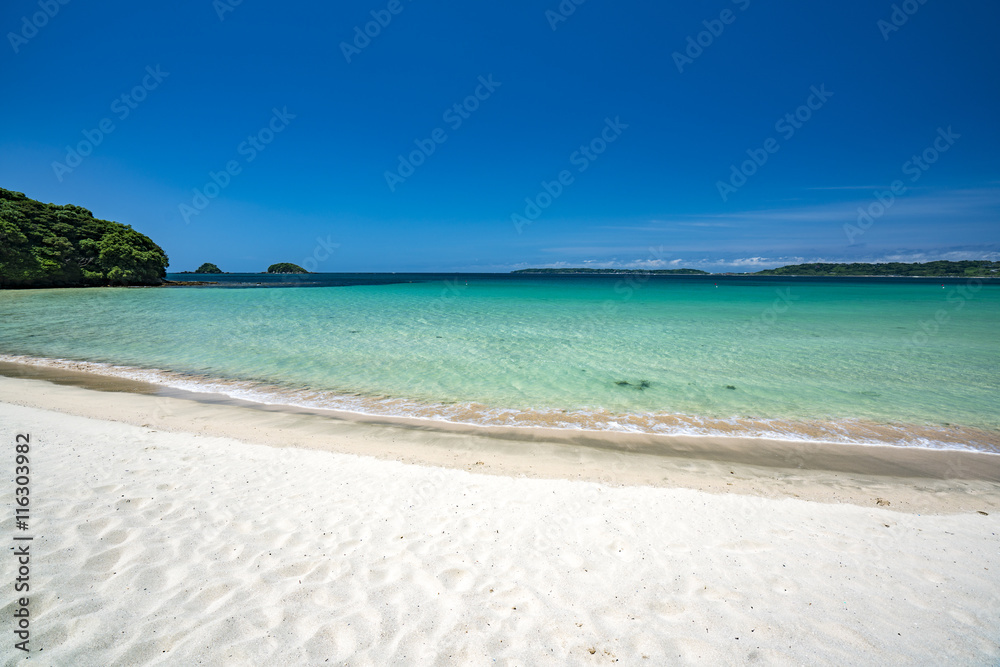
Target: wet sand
525	423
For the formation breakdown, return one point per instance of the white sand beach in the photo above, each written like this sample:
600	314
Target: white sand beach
169	532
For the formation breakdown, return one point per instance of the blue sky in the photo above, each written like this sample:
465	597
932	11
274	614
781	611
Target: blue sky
163	95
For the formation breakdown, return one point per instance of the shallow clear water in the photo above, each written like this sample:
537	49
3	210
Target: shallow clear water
478	346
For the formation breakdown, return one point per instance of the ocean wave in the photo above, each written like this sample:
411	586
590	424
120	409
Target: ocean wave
841	431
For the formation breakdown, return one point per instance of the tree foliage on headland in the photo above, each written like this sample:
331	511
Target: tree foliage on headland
285	267
47	245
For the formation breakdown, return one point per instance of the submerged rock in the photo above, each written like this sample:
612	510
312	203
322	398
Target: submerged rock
641	385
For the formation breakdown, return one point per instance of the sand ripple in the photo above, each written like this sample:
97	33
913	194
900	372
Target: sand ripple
172	549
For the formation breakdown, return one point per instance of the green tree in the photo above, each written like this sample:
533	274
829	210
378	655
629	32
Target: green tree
47	245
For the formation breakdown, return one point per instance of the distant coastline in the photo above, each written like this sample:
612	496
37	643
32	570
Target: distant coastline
939	269
613	272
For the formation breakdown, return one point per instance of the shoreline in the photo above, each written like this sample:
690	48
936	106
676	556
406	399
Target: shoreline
527	423
910	479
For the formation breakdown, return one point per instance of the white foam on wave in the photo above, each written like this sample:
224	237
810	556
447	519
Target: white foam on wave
842	431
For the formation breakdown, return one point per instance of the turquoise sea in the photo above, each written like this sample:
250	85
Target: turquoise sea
903	361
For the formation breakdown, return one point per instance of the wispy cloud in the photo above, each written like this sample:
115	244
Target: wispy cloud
740	263
920	226
847	187
915	207
663	226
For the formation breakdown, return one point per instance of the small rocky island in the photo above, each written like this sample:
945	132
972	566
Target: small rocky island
285	267
208	267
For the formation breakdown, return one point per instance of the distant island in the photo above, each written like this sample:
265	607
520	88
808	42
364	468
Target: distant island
614	272
285	267
208	267
939	269
48	245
